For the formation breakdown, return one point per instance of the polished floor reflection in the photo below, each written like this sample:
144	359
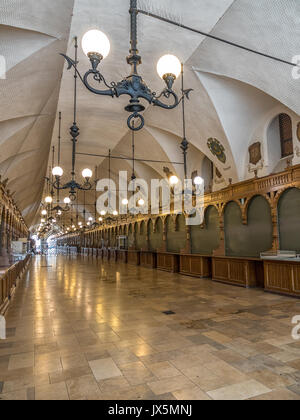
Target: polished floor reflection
83	329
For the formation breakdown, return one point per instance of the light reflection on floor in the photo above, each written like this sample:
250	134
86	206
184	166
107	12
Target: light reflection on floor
81	328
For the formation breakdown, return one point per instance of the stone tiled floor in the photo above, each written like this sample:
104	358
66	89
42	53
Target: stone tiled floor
83	329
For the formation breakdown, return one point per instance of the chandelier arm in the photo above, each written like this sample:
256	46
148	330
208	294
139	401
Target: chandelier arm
86	187
72	63
56	184
60	188
167	94
97	76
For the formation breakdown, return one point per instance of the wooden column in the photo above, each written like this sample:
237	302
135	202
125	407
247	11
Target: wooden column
275	234
221	251
188	244
165	233
148	240
4	257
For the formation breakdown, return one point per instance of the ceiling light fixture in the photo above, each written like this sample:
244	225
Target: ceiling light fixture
198	180
48	199
141	202
95	225
109	215
57	172
173	180
96	46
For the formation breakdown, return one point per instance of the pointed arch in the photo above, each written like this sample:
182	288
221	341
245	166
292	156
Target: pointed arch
289	220
156	234
205	240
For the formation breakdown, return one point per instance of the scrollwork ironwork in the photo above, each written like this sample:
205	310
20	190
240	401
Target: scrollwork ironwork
133	85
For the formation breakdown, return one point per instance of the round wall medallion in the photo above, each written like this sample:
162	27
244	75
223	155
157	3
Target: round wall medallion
217	149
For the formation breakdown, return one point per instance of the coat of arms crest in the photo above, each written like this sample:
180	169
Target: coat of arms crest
255	153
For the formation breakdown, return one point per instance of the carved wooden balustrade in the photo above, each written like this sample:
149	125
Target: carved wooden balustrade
8	281
271	187
12	224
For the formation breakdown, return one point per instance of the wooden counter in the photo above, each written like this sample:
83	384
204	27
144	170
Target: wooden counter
195	265
113	255
106	254
85	251
148	259
244	272
168	262
73	250
133	257
282	277
122	255
100	253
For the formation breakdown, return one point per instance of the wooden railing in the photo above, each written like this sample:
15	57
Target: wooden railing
288	178
271	187
8	281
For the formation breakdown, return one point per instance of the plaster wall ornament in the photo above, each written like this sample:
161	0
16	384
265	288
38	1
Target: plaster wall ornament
217	149
259	167
255	153
219	179
218	173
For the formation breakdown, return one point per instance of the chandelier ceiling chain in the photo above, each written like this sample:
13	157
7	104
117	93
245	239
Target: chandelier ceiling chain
58	208
133	177
95	225
96	46
184	144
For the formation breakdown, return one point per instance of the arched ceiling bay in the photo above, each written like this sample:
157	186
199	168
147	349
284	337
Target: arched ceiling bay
269	26
32	34
240	107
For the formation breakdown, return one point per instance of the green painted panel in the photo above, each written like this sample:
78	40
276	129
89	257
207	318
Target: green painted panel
252	239
156	239
176	239
289	220
131	237
205	241
141	238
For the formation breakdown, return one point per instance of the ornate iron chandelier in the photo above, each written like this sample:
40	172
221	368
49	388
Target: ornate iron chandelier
125	202
58	209
96	46
57	172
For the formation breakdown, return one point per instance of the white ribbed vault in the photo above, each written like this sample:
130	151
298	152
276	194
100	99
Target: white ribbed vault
236	94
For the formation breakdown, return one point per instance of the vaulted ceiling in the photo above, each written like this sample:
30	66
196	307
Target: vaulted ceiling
234	91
